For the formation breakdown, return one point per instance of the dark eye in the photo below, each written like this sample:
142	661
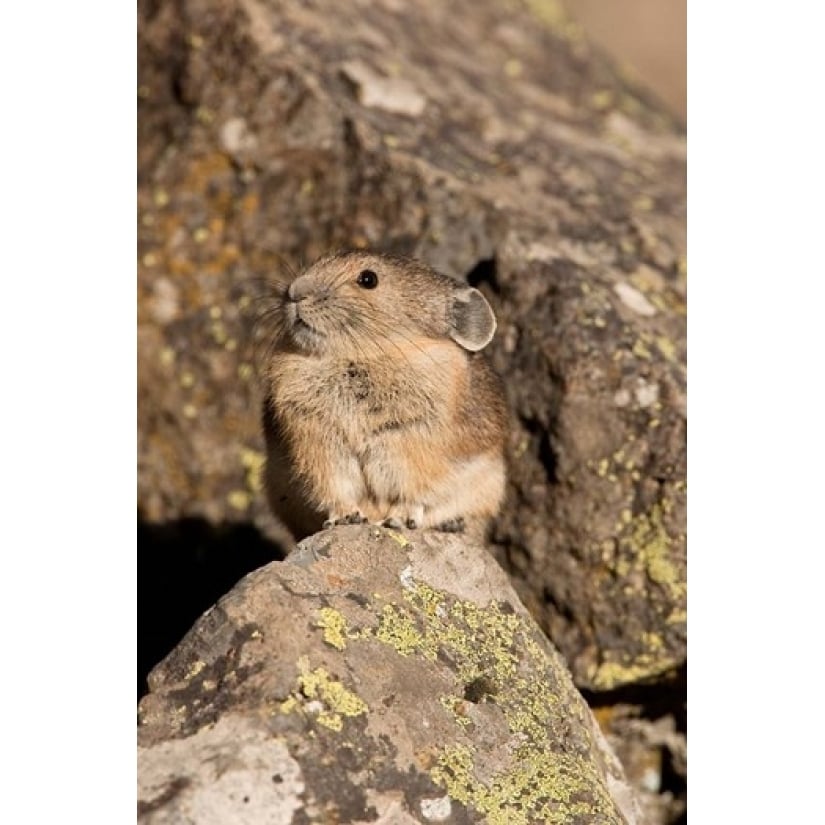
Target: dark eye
367	279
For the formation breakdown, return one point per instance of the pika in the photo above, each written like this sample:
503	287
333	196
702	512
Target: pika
379	405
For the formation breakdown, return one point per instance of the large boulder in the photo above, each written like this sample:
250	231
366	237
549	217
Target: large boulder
374	676
488	139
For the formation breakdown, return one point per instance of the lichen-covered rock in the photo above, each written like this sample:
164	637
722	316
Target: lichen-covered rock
488	139
374	676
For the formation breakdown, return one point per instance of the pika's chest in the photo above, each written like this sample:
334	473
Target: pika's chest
315	385
350	395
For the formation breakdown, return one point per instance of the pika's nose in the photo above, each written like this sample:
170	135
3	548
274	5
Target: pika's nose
304	287
298	290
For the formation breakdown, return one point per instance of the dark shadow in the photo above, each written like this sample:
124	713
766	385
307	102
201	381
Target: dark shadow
485	272
668	697
184	567
665	697
545	451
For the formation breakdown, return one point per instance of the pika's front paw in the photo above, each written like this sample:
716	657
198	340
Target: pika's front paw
402	515
452	525
352	518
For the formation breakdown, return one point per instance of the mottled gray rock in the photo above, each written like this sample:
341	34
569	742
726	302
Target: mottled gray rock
373	677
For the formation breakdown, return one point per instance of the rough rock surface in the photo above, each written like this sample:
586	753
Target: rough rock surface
488	139
374	676
652	748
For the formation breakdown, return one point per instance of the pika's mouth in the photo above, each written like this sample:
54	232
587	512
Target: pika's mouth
303	333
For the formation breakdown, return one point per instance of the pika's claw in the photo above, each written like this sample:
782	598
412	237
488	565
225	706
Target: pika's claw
393	523
452	525
337	521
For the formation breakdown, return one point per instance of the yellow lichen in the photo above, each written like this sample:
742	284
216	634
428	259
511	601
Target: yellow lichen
532	791
666	347
645	665
397	537
195	668
602	99
239	500
334	699
640	350
289	705
552	13
648	541
253	462
645	547
513	68
498	648
498	658
457	708
653	641
219	333
398	629
335	627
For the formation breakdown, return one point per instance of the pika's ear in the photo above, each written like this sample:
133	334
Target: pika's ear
472	322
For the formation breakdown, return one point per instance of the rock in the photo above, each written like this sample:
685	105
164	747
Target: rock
489	140
654	755
374	676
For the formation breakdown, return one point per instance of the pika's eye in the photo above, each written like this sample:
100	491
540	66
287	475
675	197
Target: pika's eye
367	279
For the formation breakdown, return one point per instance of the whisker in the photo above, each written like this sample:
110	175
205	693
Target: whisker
379	328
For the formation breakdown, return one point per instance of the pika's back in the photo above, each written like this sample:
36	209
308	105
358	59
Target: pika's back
379	402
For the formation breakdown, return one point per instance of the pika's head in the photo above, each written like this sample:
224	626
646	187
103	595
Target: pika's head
352	303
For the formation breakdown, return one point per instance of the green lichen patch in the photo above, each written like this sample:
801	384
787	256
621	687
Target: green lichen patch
399	629
323	697
397	537
496	657
334	626
494	647
645	665
647	544
647	557
253	463
559	790
666	347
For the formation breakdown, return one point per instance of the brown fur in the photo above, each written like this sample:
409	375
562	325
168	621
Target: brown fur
373	407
